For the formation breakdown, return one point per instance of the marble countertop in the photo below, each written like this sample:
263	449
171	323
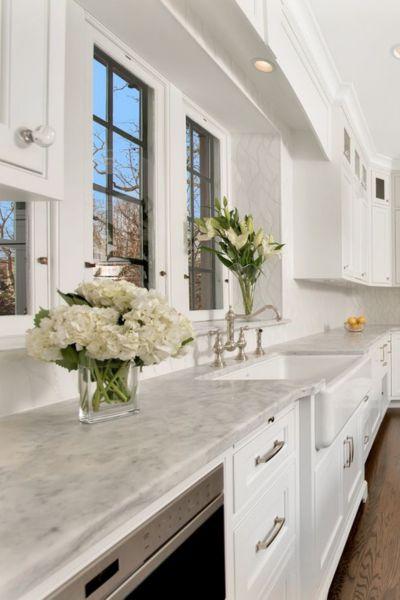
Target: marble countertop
65	486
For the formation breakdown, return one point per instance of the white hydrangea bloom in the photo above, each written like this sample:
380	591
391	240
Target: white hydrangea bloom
103	293
79	324
123	322
114	341
39	342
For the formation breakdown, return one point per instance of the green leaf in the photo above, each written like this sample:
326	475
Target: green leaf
42	313
187	341
70	358
72	299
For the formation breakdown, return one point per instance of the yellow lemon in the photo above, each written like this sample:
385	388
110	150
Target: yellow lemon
362	320
352	321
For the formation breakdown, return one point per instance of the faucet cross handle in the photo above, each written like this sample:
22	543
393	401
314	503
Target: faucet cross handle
218	348
259	349
241	344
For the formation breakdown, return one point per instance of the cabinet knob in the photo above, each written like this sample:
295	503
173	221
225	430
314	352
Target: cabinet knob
43	260
89	265
186	276
163	273
42	136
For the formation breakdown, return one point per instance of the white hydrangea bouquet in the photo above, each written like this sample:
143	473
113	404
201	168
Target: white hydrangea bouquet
108	330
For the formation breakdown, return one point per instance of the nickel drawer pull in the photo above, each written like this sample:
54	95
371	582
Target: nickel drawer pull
366	398
271	453
270	537
347	462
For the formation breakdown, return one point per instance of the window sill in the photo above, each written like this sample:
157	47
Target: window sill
202	328
12	342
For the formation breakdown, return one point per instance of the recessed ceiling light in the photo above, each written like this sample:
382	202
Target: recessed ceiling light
263	65
396	51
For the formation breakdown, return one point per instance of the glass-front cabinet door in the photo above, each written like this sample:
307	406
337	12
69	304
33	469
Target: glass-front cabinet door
32	56
380	187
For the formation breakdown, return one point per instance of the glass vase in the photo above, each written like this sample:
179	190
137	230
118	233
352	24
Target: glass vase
247	288
107	389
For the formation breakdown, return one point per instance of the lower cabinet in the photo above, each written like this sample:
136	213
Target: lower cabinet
265	505
263	536
352	463
331	488
395	344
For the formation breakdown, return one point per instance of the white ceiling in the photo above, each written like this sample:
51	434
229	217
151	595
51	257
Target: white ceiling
360	35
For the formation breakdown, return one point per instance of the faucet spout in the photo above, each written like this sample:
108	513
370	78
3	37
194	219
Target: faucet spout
278	315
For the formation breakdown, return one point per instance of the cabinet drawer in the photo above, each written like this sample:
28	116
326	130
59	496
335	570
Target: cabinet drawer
264	536
260	457
284	585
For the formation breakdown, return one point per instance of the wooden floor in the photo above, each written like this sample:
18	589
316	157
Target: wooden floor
370	564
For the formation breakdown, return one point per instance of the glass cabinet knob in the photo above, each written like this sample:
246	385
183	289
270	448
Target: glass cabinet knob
42	136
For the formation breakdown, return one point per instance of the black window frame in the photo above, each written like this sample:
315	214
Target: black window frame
214	192
113	66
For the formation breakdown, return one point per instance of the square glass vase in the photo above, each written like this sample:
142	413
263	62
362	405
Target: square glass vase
107	389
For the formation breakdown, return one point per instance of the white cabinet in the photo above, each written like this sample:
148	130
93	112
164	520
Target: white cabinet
355	227
32	94
265	511
395	344
396	225
381	251
328	510
353	473
347	221
264	535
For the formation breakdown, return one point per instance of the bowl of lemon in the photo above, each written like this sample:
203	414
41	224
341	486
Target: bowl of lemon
355	324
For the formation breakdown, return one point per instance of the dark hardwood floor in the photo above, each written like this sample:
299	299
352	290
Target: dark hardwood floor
370	564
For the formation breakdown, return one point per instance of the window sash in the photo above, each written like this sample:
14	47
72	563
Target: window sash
210	180
141	142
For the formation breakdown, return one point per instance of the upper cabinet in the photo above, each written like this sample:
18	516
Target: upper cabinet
380	187
32	96
381	245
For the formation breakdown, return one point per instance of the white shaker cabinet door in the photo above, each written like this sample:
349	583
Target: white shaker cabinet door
396	364
381	245
32	42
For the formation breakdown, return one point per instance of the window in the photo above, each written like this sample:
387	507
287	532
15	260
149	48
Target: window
347	146
13	272
357	164
120	224
364	177
202	158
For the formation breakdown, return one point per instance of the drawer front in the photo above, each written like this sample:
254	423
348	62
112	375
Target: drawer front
284	586
264	536
260	457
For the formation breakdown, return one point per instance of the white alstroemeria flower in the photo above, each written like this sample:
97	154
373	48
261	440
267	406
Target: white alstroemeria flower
268	247
238	241
250	224
208	231
259	237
